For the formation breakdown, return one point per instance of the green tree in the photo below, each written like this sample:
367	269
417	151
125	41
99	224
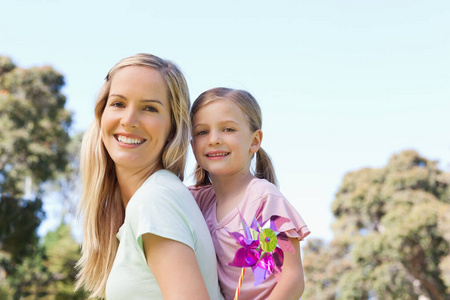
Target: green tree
65	187
49	273
391	235
34	127
34	133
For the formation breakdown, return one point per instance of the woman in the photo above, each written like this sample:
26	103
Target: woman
144	236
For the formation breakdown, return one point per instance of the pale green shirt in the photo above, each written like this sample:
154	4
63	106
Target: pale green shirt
162	206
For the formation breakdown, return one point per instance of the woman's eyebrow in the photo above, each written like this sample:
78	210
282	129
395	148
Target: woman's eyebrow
145	100
117	95
152	101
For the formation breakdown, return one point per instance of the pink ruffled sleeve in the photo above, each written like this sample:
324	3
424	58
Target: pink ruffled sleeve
277	204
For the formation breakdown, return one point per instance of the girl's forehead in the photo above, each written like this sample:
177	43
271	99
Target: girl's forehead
224	103
218	109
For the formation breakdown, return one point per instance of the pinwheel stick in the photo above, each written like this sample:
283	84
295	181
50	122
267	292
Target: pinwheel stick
238	289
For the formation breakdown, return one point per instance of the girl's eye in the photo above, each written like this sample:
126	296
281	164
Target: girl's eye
202	132
229	130
150	108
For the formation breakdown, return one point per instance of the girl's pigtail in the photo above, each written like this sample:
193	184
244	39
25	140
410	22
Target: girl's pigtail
264	167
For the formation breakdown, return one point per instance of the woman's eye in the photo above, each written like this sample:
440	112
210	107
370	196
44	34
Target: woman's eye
228	130
117	104
150	108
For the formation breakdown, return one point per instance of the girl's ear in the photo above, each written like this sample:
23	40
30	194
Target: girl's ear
256	141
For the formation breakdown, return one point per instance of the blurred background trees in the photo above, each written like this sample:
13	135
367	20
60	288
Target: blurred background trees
34	140
391	235
391	230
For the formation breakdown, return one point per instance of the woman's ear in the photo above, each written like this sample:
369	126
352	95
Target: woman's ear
256	141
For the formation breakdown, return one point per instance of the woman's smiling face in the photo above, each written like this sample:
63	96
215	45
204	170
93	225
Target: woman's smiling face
136	121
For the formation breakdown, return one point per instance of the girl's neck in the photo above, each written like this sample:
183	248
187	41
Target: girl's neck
229	192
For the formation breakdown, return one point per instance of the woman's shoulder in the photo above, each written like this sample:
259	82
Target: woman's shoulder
163	184
165	180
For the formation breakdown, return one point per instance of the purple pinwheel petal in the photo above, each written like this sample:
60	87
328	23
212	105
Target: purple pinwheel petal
240	239
278	259
253	244
257	220
259	211
284	243
243	241
260	275
248	235
252	254
255	225
266	262
276	222
245	258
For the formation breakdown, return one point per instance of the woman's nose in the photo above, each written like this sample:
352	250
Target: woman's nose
129	118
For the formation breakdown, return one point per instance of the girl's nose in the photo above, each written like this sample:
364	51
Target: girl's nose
214	138
129	118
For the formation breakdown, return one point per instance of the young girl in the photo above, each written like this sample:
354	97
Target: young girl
226	135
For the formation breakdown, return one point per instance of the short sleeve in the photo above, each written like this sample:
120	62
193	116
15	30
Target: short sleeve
296	227
161	211
277	204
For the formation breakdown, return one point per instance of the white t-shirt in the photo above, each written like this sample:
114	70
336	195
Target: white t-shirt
162	206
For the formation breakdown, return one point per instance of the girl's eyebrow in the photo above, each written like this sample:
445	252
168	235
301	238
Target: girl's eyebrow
221	122
144	100
196	125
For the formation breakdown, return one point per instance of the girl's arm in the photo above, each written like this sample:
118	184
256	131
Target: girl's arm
291	284
175	268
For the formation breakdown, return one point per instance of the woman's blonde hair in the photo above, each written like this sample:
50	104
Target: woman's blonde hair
247	103
101	203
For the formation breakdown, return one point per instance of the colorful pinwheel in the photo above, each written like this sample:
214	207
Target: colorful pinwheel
262	247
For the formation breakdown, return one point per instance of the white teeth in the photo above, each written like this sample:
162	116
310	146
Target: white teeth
131	141
218	154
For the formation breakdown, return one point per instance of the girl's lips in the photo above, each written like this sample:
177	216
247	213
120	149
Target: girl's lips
217	154
129	140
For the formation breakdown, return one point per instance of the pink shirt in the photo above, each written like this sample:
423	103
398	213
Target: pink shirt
258	191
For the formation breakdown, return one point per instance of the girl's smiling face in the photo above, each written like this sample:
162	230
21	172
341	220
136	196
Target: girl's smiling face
223	143
136	121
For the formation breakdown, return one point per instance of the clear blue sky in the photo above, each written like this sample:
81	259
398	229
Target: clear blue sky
343	84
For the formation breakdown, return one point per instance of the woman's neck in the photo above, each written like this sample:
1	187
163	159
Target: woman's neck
131	180
229	192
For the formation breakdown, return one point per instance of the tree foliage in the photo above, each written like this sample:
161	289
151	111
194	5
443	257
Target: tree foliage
391	235
34	138
49	272
34	126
